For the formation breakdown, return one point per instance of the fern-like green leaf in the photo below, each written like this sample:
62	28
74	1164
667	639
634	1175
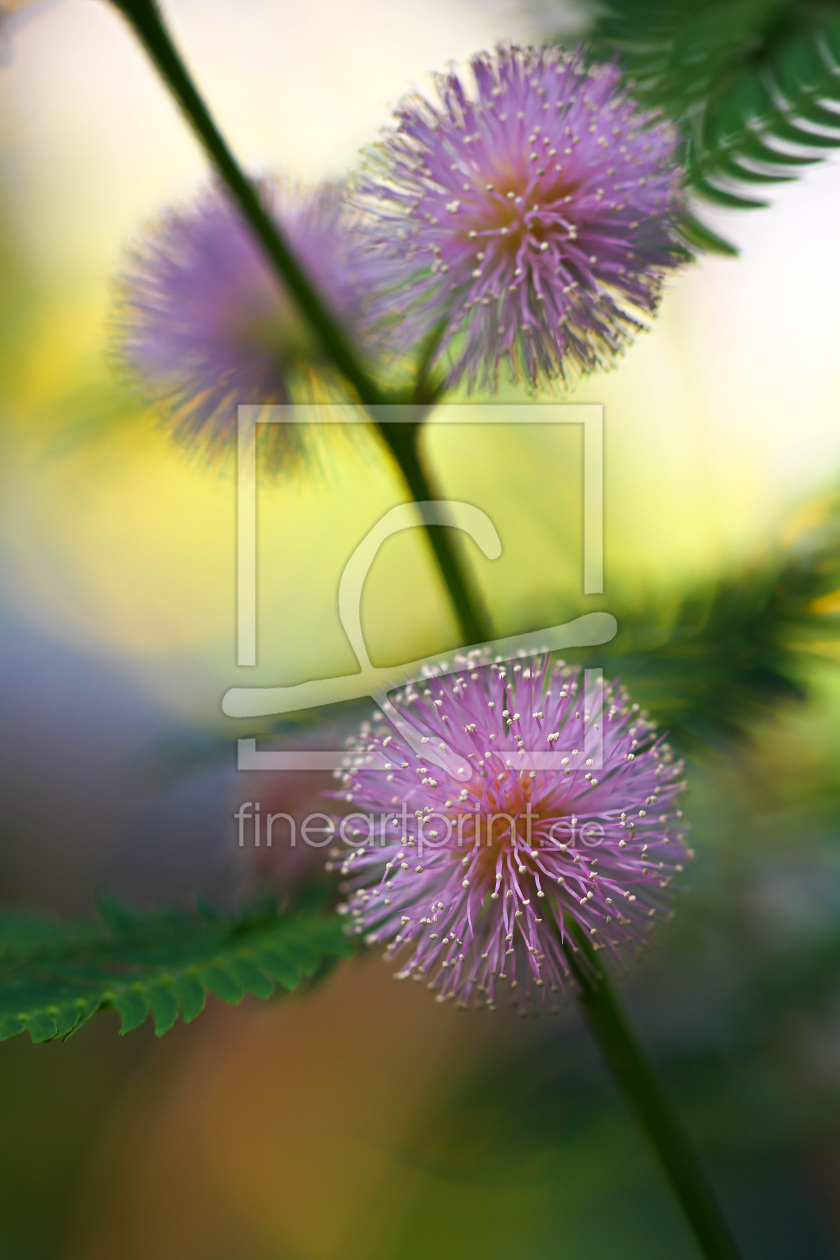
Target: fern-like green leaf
700	236
55	976
753	85
731	651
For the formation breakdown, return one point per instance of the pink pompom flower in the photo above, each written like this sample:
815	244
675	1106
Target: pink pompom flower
472	866
528	220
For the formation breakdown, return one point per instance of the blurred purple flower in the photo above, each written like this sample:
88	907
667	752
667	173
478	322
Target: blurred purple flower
534	219
283	854
14	15
205	324
277	854
480	880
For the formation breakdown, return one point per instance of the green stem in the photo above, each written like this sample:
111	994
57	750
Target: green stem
402	441
145	19
638	1082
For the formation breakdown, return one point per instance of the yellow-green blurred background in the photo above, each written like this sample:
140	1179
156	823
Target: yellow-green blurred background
365	1122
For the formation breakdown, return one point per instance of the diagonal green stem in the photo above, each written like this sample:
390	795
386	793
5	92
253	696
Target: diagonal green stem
639	1084
402	440
145	19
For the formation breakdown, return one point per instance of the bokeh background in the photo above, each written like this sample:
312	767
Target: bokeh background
363	1121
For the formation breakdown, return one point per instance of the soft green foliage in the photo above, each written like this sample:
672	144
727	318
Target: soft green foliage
753	85
55	976
711	662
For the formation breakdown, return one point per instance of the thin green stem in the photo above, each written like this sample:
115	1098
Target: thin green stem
639	1084
403	440
147	22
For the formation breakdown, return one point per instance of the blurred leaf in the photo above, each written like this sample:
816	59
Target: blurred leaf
753	85
55	976
709	663
701	236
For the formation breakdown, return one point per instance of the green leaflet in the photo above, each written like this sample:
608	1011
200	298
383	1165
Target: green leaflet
55	976
700	236
753	85
733	650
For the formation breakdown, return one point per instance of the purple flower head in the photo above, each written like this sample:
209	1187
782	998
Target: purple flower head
205	323
476	877
533	218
